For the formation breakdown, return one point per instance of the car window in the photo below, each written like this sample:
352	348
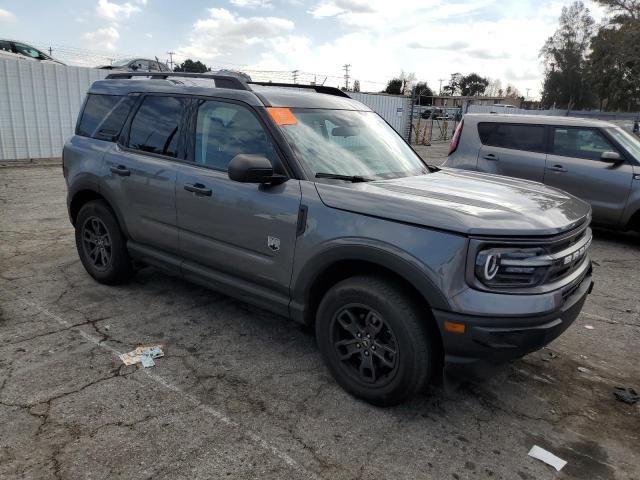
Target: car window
28	51
588	143
5	46
224	130
142	65
103	116
154	128
514	136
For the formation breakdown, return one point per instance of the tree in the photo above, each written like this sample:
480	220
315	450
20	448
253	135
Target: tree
473	85
494	87
453	87
422	93
394	87
356	85
565	57
512	92
190	66
614	64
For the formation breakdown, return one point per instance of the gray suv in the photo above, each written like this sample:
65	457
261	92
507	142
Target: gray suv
591	159
302	201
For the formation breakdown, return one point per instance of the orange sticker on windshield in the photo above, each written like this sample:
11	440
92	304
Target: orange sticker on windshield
282	116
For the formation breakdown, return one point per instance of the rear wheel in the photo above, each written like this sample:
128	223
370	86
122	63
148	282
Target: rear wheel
373	339
101	244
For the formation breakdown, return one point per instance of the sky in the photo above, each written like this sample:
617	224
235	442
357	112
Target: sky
270	38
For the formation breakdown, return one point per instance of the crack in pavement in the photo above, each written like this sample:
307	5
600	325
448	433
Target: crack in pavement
194	401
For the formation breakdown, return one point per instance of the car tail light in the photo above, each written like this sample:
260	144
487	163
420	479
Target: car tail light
456	138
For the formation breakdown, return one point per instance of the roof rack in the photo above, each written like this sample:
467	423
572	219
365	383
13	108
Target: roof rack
222	81
318	88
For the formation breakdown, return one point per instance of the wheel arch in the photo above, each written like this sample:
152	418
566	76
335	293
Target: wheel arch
84	195
333	265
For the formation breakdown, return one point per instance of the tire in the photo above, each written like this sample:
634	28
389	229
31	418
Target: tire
368	369
101	245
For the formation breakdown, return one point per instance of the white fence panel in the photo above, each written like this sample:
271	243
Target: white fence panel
39	104
395	109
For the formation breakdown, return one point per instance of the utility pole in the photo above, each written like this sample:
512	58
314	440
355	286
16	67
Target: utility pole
171	54
527	89
346	67
295	73
50	51
440	80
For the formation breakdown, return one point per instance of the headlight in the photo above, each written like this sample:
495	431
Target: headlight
511	267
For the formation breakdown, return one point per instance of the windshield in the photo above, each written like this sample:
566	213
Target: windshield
629	142
121	63
350	143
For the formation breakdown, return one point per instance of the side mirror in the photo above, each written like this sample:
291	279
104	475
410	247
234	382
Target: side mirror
611	157
247	168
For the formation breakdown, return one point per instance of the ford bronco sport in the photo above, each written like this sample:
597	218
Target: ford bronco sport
302	201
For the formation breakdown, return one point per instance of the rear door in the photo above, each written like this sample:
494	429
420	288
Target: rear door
574	165
515	150
140	172
244	230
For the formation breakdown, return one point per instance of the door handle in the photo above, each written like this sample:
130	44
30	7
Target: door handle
198	189
490	156
558	168
121	170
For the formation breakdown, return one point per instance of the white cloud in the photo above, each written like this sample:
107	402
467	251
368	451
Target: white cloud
224	33
6	16
102	39
252	3
116	11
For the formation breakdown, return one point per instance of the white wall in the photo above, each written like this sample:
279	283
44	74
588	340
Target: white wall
39	104
395	109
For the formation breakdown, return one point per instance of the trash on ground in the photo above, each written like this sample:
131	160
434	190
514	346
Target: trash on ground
584	370
589	327
626	395
547	457
144	354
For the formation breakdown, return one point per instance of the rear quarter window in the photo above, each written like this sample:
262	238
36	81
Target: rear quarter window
508	135
103	116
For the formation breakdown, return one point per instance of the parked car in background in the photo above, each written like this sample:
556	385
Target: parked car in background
591	159
303	201
137	65
22	51
433	112
502	108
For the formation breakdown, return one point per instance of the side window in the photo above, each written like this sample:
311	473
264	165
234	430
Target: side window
27	51
140	65
5	46
154	128
224	130
103	116
588	143
517	137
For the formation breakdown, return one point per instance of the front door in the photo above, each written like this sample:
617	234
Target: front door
141	174
244	231
574	165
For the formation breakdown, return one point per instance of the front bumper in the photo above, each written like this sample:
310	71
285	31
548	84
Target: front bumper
499	339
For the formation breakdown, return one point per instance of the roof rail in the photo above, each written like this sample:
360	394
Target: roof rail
318	88
222	81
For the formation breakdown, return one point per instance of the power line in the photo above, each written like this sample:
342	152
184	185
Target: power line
346	67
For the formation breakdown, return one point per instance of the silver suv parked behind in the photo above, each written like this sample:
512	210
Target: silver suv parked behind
305	202
591	159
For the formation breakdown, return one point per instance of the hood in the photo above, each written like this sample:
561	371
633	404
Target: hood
465	202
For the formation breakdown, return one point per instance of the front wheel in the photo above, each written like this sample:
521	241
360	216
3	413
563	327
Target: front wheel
374	340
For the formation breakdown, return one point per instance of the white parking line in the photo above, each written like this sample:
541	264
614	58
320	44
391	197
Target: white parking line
219	416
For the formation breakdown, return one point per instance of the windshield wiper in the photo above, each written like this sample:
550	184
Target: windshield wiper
348	178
